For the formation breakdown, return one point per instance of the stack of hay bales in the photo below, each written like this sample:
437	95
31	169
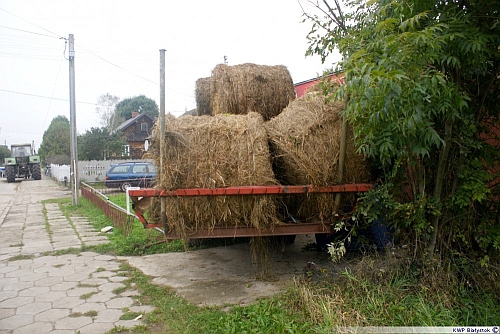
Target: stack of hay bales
202	95
258	135
245	88
210	152
305	144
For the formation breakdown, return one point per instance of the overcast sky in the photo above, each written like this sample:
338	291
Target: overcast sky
117	47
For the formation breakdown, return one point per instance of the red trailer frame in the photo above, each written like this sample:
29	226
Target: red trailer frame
137	195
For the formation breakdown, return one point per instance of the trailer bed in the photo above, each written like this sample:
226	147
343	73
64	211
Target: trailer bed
141	197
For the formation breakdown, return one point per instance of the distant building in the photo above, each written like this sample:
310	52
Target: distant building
302	87
135	131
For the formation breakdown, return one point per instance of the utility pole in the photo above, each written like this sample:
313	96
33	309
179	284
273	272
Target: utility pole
72	122
162	136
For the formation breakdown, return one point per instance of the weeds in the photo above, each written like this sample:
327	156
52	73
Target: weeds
409	294
21	257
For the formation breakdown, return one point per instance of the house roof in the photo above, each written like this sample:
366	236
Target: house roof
130	121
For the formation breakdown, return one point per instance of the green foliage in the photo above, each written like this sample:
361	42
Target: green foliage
423	80
99	144
140	104
55	147
4	153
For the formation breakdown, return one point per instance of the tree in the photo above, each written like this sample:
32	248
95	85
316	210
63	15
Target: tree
423	79
4	153
98	144
55	147
105	109
140	104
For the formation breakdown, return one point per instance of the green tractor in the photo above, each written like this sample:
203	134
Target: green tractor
24	163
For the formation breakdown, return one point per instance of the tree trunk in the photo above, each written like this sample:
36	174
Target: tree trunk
438	185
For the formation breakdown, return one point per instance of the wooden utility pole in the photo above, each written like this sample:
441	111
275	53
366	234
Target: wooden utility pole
72	122
162	135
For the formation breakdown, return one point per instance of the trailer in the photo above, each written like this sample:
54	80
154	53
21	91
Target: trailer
142	197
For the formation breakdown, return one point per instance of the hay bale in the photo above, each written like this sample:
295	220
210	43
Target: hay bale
240	89
305	144
202	95
210	152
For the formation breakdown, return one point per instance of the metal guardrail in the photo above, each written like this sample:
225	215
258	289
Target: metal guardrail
118	216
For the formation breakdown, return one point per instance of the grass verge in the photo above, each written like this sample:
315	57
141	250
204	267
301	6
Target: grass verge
140	241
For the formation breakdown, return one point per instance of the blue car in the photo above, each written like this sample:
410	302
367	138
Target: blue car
130	174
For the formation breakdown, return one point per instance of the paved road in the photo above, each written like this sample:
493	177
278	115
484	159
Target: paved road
42	293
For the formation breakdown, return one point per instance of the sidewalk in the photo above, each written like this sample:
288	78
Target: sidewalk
69	293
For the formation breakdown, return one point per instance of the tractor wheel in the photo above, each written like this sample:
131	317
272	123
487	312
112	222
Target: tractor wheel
37	172
11	174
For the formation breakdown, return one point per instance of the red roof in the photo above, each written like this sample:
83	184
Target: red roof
301	87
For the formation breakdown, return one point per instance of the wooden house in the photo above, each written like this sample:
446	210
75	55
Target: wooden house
135	130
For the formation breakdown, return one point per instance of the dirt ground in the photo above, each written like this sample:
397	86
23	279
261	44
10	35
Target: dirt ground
226	275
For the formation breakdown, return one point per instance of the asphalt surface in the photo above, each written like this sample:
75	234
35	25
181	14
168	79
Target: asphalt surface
41	293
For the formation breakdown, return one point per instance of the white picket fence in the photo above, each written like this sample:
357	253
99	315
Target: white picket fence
88	171
59	172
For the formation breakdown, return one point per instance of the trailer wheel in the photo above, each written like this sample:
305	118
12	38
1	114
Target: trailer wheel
11	175
37	172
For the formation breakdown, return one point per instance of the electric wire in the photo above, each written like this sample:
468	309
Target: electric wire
53	90
20	18
29	32
45	97
92	53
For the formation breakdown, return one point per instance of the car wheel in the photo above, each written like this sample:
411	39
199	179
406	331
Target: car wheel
124	186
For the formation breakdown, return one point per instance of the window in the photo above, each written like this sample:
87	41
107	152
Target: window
119	170
126	150
144	127
139	169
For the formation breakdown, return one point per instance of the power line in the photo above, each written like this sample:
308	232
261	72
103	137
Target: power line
31	23
118	66
29	32
132	73
103	59
44	97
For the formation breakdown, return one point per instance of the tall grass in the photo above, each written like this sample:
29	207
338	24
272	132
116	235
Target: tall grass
403	295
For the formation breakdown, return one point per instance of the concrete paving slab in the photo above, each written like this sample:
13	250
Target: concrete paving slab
39	328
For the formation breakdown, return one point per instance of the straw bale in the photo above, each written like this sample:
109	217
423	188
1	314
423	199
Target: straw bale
216	151
202	94
240	89
305	144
